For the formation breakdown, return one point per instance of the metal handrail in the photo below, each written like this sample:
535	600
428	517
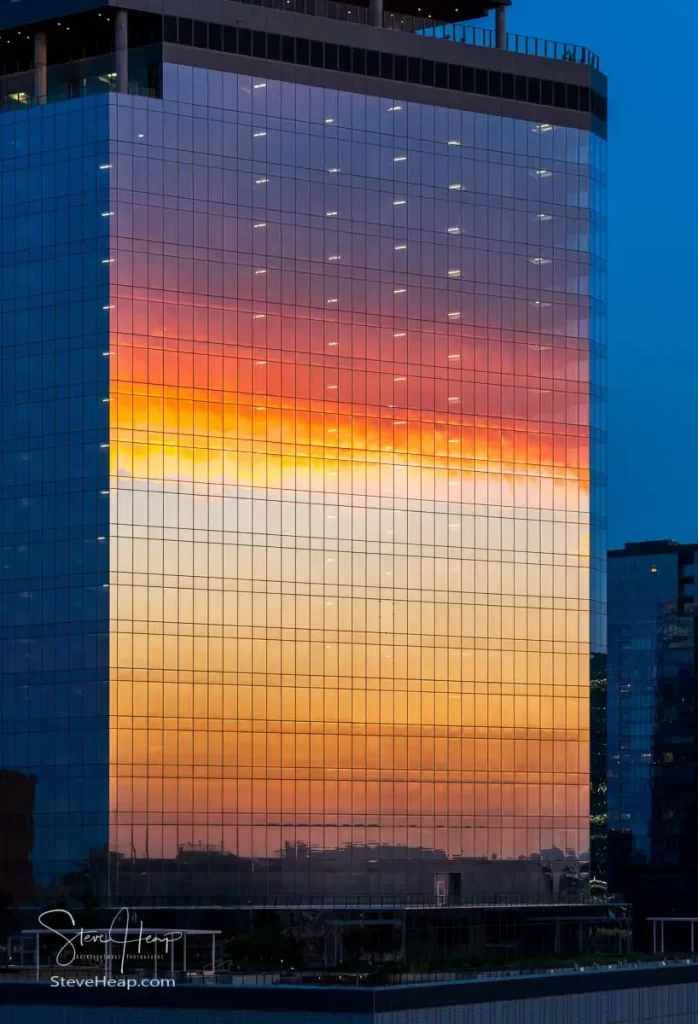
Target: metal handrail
366	976
471	35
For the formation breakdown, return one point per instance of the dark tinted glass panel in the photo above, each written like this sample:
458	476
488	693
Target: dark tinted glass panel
288	49
215	37
520	88
316	55
546	93
468	80
185	31
373	63
169	29
245	41
414	70
508	87
201	34
495	83
331	56
400	68
481	81
441	75
560	96
358	61
230	39
427	72
454	76
344	58
534	90
573	97
302	51
273	46
259	44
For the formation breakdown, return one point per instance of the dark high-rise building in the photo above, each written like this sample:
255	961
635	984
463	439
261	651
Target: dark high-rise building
652	726
598	802
302	372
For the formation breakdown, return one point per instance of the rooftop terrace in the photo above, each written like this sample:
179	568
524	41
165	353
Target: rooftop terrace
447	20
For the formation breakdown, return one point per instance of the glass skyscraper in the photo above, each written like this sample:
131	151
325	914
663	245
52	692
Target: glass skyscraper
652	713
302	373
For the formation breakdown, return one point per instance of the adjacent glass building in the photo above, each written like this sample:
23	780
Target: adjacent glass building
303	502
652	726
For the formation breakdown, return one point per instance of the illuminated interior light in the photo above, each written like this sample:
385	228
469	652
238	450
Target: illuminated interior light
105	167
545	216
333	300
329	120
108	213
108	307
453	398
399	378
455	188
541	129
454	355
454	273
541	305
141	135
259	316
542	173
453	142
392	110
399	291
333	170
332	387
261	362
261	181
332	344
399	248
453	314
400	334
399	159
399	202
260	85
331	213
538	261
260	271
259	135
261	224
334	257
453	231
108	261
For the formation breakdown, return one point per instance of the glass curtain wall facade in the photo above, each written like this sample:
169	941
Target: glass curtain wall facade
350	411
54	436
302	494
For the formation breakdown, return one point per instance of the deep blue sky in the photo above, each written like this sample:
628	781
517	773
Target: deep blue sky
650	54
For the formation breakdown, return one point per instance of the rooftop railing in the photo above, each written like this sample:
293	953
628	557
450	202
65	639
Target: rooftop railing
226	973
471	35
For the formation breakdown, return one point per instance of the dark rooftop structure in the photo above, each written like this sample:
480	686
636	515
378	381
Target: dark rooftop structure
53	50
